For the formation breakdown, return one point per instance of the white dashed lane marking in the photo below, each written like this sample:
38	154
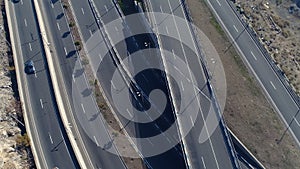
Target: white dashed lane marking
58	25
273	85
82	108
235	28
41	101
25	22
253	55
50	138
82	11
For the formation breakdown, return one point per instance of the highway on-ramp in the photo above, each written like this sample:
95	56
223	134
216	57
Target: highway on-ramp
273	83
54	149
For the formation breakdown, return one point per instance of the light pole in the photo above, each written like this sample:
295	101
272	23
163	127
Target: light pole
288	126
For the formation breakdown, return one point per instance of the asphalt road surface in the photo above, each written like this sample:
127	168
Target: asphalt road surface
276	91
213	153
106	67
54	148
82	103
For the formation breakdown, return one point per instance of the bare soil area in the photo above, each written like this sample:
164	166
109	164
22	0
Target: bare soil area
247	111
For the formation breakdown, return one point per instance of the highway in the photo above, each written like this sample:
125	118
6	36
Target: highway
104	70
246	44
49	136
213	153
84	117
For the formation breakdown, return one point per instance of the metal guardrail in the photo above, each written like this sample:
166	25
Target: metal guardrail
276	69
211	88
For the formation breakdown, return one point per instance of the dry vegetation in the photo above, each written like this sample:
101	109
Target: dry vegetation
279	31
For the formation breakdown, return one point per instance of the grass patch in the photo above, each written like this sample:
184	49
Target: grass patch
243	69
215	23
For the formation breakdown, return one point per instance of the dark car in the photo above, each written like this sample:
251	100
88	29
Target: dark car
29	67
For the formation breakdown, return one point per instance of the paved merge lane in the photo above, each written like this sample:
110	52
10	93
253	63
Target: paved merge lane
54	143
278	94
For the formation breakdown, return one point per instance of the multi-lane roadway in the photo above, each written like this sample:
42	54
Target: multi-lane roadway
108	13
215	152
75	89
49	136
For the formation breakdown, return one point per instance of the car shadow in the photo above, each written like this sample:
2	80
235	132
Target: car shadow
70	54
66	34
86	92
60	16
